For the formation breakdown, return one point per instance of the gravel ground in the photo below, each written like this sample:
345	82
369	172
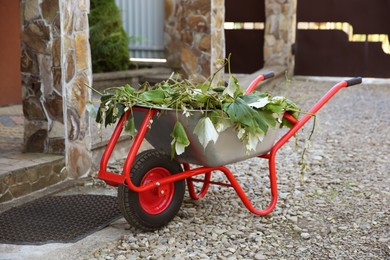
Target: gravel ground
338	208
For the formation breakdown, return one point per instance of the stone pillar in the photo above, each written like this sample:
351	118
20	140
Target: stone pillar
76	73
55	65
279	33
41	76
218	45
194	36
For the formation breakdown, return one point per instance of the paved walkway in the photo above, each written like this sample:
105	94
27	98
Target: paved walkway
11	130
343	201
12	158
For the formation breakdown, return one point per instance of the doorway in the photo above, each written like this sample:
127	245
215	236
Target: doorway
244	34
343	38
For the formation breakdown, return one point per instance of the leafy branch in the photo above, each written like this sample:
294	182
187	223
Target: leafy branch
252	115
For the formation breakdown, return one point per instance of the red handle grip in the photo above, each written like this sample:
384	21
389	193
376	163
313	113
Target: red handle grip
257	80
354	81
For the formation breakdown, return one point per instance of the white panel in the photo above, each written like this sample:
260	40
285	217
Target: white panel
144	20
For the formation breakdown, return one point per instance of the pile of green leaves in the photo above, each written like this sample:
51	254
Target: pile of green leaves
223	107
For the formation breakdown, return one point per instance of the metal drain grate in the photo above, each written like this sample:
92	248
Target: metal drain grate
57	219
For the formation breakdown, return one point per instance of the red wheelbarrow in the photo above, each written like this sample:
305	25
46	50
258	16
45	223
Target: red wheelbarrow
152	185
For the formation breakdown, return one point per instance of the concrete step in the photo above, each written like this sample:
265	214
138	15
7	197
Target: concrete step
24	173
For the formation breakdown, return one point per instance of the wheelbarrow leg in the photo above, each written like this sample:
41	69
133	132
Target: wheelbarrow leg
244	198
191	187
205	187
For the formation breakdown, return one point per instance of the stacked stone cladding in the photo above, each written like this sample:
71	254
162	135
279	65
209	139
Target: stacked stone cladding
56	66
41	76
194	40
279	34
25	180
77	73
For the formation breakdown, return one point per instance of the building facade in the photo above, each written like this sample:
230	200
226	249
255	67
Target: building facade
56	64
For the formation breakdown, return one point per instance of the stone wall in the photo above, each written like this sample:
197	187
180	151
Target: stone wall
194	36
41	76
77	72
280	33
55	68
218	46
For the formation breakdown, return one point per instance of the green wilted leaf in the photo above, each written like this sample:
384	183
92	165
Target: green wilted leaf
180	139
261	124
180	134
259	102
129	89
201	98
110	118
278	100
119	109
105	98
239	112
156	96
179	148
286	123
220	120
100	115
232	87
204	87
267	117
253	140
130	126
205	131
275	108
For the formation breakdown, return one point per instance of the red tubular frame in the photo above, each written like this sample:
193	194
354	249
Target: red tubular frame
188	174
254	84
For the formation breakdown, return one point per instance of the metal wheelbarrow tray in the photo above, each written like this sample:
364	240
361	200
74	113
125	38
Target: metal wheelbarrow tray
151	186
228	148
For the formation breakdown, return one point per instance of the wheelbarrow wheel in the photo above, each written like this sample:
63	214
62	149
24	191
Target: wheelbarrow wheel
152	209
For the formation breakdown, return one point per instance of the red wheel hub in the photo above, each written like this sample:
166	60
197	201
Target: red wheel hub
155	201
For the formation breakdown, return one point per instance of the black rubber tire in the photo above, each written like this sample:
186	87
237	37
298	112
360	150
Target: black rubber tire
129	202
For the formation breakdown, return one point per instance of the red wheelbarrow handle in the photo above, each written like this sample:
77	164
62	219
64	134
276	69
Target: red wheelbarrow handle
298	124
257	80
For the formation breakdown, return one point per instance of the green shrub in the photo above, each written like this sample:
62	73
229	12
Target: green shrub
109	41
